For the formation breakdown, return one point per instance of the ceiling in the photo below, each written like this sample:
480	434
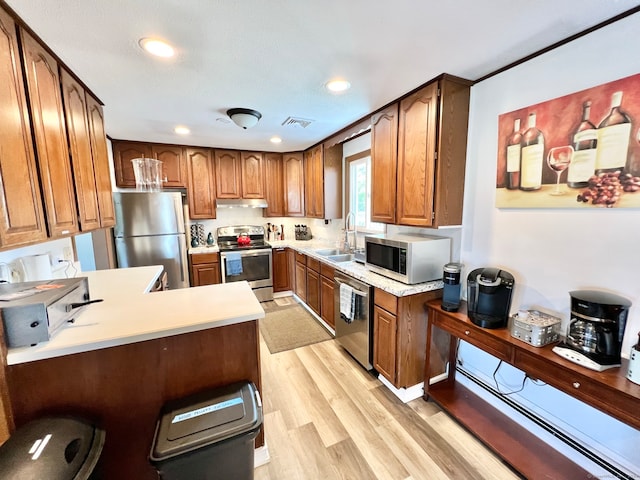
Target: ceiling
275	56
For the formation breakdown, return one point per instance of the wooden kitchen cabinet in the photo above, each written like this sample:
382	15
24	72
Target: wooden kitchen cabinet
300	286
100	155
609	391
327	299
201	183
50	136
399	336
274	180
384	163
174	166
78	131
431	154
293	171
313	284
21	210
228	174
323	182
313	183
123	153
205	269
280	268
252	175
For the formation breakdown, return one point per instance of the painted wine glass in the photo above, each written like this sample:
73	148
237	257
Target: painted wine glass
558	160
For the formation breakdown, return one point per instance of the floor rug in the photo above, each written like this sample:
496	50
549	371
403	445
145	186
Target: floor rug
288	325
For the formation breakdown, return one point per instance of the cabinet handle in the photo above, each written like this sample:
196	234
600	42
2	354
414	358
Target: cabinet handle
576	384
467	332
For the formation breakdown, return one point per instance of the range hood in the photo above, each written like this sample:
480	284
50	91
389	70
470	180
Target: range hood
241	203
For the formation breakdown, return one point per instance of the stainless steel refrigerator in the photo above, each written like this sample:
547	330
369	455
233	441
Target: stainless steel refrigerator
150	230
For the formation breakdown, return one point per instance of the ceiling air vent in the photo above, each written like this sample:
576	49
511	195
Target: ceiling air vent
297	122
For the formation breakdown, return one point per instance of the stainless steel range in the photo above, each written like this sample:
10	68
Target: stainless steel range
245	255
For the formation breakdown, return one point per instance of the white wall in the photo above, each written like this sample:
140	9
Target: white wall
552	252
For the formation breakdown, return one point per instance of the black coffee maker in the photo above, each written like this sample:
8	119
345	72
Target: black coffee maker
596	329
489	297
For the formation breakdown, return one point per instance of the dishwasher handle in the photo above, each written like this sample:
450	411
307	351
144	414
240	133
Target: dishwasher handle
355	290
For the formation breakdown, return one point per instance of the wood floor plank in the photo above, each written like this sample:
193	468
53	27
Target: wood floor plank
283	464
351	464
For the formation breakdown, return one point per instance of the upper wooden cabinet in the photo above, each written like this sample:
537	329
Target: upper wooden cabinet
384	162
77	119
50	136
100	157
21	211
239	174
431	155
201	190
274	192
323	182
174	164
293	171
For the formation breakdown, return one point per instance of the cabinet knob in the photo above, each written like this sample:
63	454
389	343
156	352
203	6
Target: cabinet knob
576	384
467	332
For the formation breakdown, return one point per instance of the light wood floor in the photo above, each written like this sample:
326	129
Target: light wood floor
327	418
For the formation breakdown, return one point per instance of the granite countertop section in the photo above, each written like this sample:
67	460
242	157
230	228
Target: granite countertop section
358	270
130	314
206	249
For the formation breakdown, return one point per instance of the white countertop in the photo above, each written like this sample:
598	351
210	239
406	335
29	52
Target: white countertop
130	314
358	270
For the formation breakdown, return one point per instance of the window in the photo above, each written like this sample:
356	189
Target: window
359	192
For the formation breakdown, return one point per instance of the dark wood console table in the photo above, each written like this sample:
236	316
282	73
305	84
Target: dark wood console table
608	391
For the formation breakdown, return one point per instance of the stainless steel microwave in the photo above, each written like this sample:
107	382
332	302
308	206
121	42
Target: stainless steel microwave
407	258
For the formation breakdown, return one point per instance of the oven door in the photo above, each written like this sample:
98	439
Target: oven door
254	266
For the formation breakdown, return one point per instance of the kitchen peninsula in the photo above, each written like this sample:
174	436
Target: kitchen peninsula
123	358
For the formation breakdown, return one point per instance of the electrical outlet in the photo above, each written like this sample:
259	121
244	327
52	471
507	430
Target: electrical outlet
68	254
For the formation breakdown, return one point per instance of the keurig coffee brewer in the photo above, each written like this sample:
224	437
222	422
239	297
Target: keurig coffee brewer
596	329
451	290
489	293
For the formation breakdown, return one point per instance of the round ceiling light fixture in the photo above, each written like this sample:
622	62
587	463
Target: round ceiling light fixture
275	140
158	48
338	86
182	130
244	117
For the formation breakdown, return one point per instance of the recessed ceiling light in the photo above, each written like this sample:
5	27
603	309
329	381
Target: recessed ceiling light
182	130
337	86
156	47
276	140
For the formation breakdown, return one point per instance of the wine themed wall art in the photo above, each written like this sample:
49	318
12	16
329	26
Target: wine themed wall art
577	151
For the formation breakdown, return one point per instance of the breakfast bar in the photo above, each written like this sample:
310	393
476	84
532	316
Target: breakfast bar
123	358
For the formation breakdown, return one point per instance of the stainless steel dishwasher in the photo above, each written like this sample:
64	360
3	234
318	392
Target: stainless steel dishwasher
354	323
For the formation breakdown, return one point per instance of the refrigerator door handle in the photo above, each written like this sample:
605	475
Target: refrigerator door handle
184	262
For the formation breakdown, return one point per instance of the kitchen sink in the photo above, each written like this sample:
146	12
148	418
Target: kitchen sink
345	257
325	252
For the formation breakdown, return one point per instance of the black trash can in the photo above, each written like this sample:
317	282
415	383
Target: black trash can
55	448
209	436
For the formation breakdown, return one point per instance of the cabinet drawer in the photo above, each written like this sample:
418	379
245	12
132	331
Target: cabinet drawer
474	335
198	258
313	264
327	270
386	300
301	258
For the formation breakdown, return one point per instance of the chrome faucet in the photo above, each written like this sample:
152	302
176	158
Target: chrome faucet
347	244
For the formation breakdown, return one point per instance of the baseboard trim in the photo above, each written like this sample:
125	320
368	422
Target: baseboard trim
404	394
261	456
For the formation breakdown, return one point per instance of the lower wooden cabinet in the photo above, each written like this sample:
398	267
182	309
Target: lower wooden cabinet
384	343
205	269
280	268
313	290
327	300
300	285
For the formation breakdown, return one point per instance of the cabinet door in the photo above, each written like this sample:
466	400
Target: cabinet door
20	199
327	301
50	135
384	160
294	184
205	274
384	343
252	175
416	157
174	168
100	162
291	267
314	183
280	270
301	281
80	149
313	290
228	174
123	153
201	185
274	191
